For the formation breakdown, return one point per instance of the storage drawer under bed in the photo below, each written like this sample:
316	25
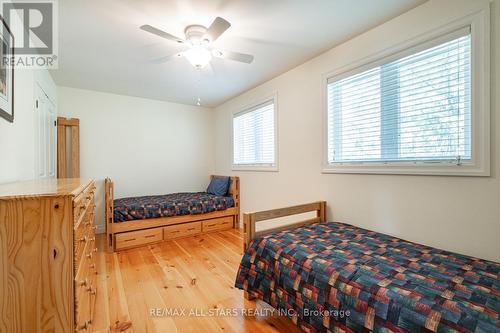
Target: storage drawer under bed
217	224
137	238
181	230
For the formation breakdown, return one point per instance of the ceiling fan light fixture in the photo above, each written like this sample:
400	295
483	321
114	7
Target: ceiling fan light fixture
198	56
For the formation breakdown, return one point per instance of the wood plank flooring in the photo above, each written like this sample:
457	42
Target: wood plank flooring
193	274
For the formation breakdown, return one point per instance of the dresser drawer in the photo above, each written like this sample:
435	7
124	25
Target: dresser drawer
82	202
182	230
83	320
84	290
83	233
137	238
218	224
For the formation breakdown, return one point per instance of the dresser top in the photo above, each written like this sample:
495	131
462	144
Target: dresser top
43	188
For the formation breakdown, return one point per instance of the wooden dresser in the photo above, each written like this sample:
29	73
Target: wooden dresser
47	256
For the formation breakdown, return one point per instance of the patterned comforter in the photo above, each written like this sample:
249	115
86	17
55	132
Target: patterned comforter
334	277
139	208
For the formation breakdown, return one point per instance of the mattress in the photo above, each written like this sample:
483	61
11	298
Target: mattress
335	277
175	204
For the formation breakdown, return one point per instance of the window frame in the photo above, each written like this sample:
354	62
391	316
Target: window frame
480	102
249	108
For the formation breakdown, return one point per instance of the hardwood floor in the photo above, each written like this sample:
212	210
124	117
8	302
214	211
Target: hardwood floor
193	274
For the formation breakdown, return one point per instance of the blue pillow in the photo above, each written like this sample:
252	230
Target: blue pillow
218	186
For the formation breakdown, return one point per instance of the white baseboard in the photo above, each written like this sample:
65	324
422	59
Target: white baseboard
100	229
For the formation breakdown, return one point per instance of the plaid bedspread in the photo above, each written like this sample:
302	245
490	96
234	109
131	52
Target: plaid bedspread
334	277
139	208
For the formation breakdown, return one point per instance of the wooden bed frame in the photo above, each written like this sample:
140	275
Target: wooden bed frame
156	228
250	220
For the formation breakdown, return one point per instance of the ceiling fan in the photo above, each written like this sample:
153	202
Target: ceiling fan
199	40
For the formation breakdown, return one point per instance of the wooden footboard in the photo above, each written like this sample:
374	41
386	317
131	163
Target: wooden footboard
160	228
109	197
250	220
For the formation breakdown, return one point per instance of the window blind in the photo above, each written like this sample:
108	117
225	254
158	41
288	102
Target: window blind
413	108
254	136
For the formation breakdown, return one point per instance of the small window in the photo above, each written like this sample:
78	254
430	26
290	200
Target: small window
254	138
409	110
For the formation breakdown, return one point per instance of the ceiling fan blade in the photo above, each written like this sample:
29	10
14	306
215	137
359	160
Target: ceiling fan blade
241	57
167	58
217	28
160	33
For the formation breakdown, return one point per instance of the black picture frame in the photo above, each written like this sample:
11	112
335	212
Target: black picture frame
6	113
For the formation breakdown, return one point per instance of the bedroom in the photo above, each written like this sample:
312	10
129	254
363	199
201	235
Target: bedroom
373	123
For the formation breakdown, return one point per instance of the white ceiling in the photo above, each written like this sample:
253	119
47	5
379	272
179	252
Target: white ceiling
101	47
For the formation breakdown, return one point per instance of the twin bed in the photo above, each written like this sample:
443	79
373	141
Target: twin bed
138	221
335	277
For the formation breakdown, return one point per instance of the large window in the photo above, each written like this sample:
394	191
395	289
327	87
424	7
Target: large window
254	137
411	109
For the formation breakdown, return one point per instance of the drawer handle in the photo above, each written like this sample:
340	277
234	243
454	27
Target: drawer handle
191	229
86	325
84	283
149	236
174	231
129	240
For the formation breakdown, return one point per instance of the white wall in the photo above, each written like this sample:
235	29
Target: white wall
460	214
144	146
17	139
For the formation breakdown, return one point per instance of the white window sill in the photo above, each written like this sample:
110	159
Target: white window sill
259	168
438	169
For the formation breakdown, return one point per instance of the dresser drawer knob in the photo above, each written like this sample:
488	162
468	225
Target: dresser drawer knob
86	325
84	283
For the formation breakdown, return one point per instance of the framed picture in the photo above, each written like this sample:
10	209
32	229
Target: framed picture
6	73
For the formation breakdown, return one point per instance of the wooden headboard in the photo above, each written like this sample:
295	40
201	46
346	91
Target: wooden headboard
234	187
251	219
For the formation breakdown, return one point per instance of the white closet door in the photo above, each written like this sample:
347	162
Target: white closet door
52	142
45	125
